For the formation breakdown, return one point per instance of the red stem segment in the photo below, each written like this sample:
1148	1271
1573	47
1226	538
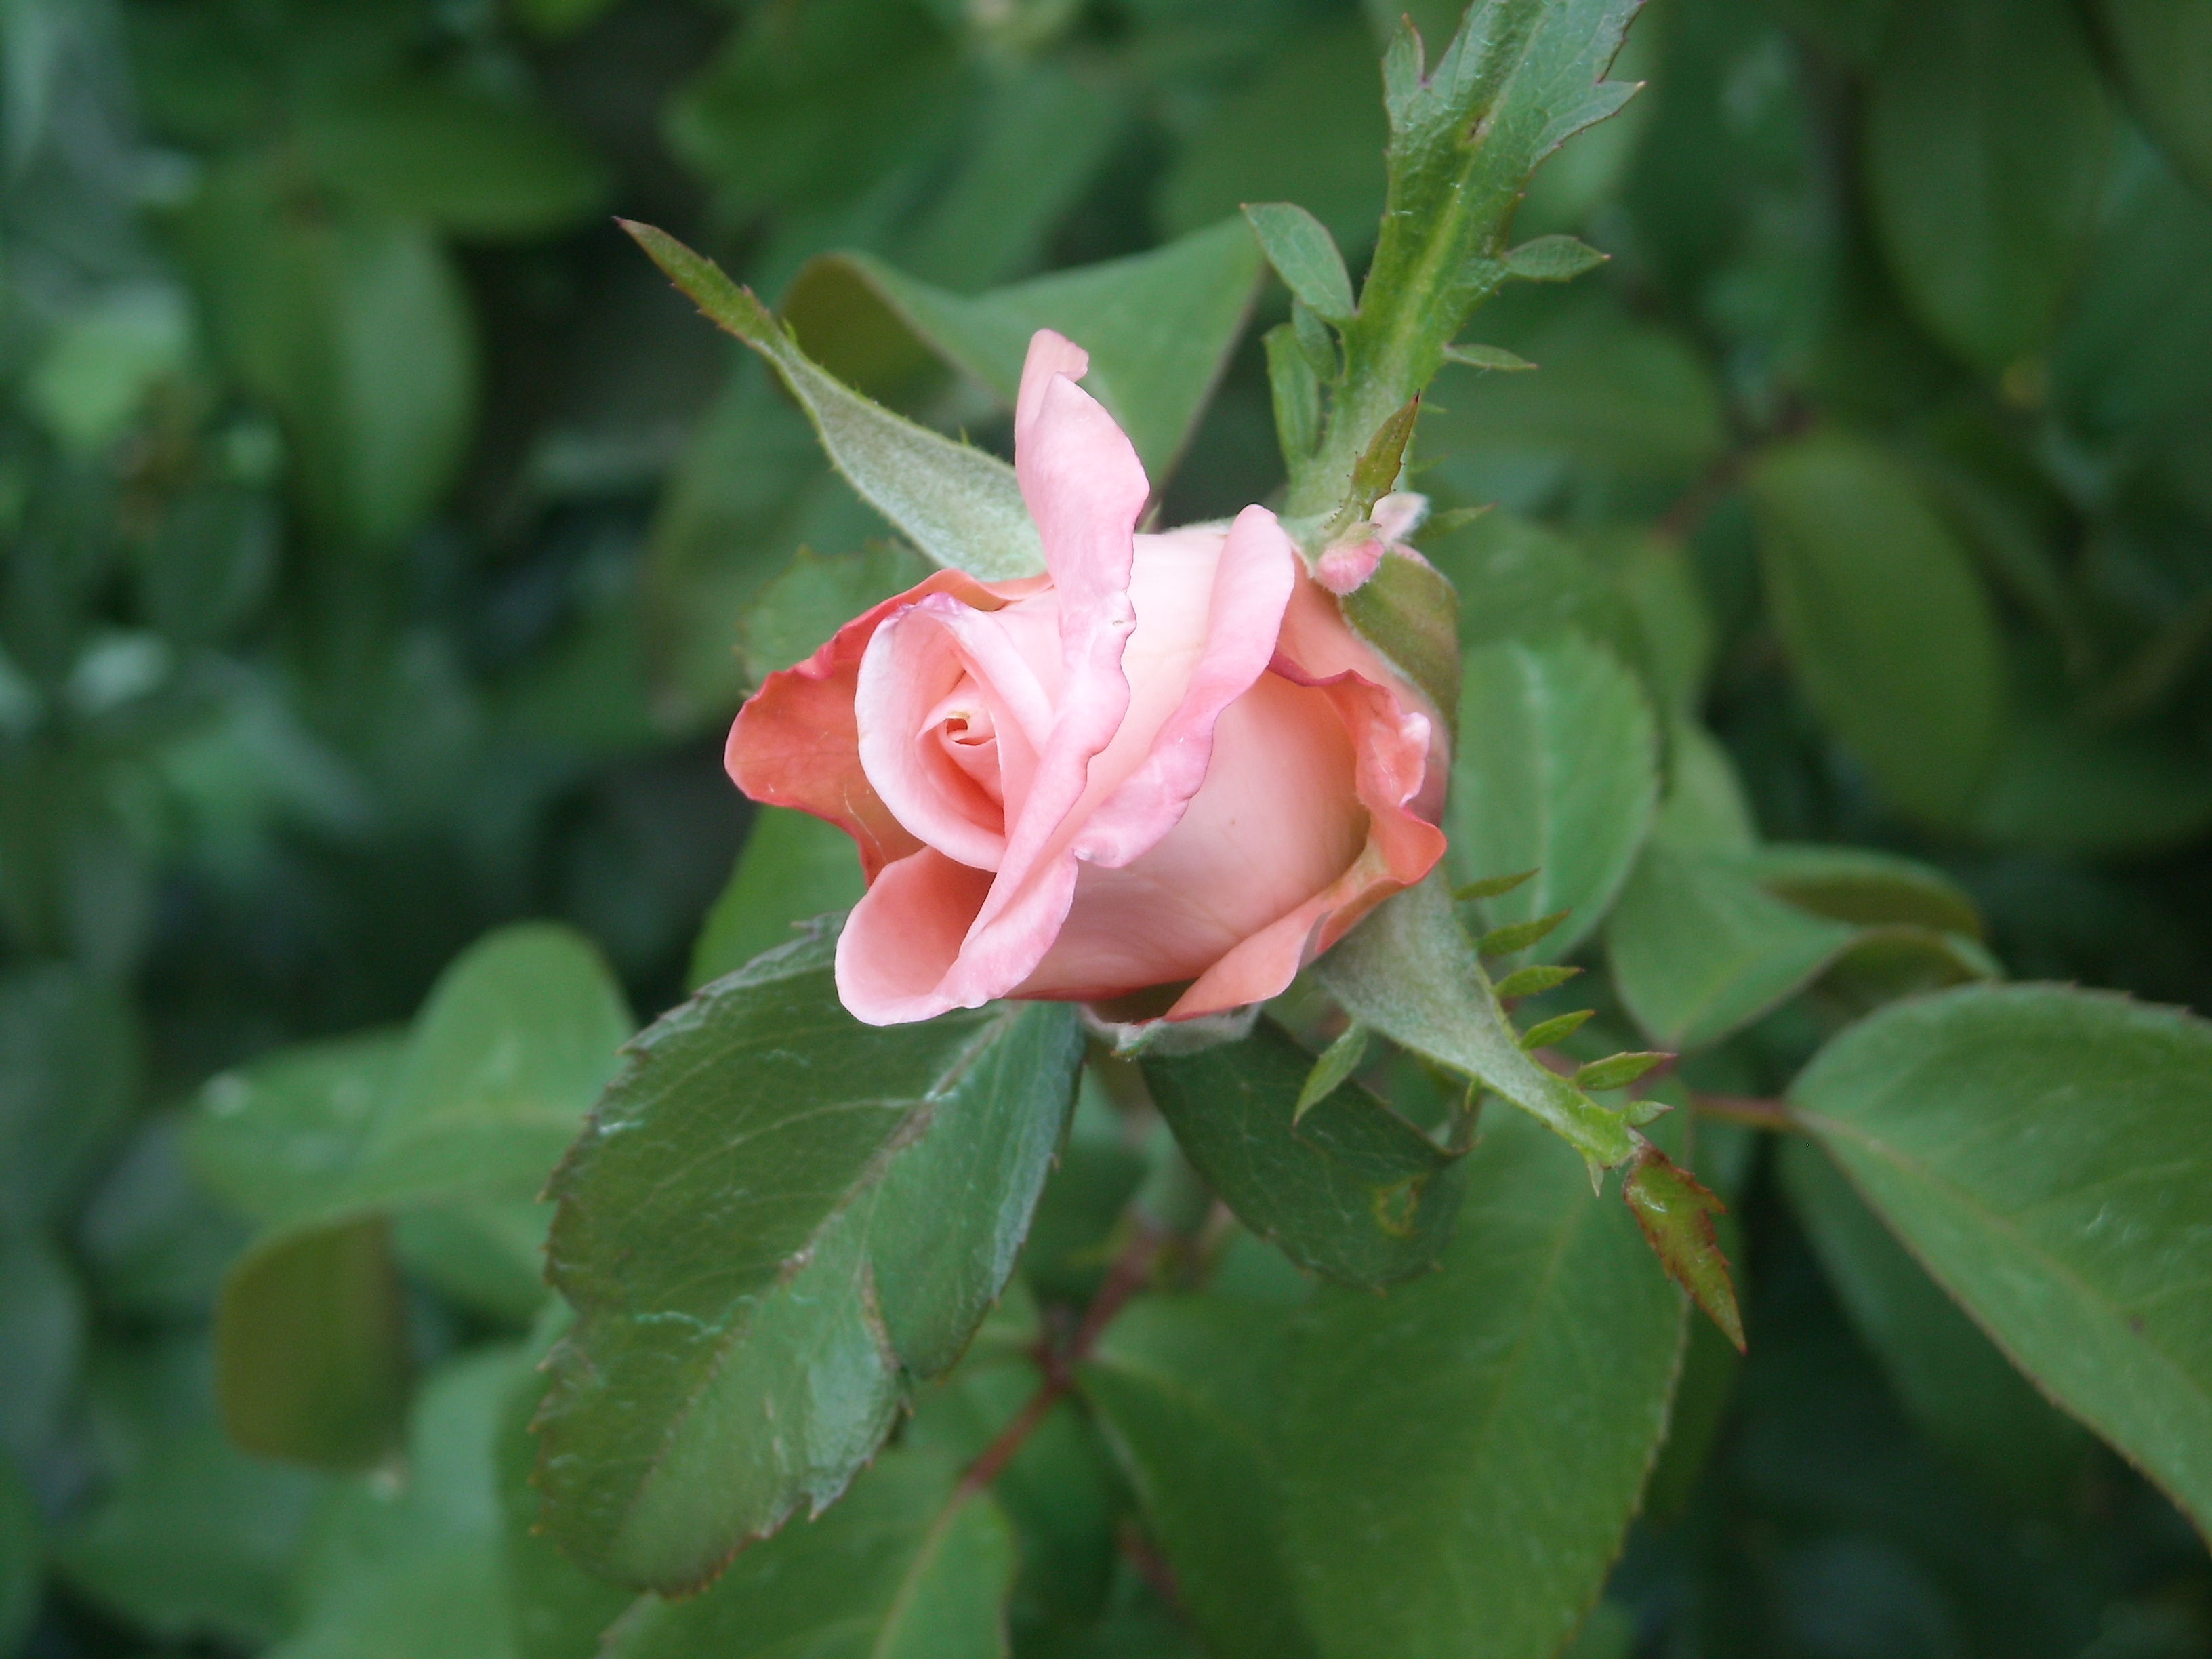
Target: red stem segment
1130	1271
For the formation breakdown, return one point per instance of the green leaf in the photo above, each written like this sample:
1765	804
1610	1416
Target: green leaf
393	147
1493	886
1533	982
1675	1211
1294	392
1519	78
23	1558
1986	130
1305	256
1410	971
1338	1061
556	1609
1518	936
2058	787
752	486
191	1538
2163	51
1965	1395
1699	947
1615	1072
306	308
1185	1387
1557	1030
1552	259
1306	128
520	1034
324	1145
910	1565
958	505
1059	1490
414	1567
793	868
1705	809
1348	1189
69	1079
2129	358
1557	765
1159	326
729	1360
1488	356
815	596
1464	1453
1864	886
2044	1153
1698	950
1885	622
311	1353
42	1331
1618	401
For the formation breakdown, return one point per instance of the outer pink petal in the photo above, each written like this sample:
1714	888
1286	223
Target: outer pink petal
1252	582
891	956
796	742
1085	488
1393	745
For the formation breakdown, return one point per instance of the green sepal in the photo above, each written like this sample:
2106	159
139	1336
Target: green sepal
1557	1029
1532	981
1409	612
1552	259
1488	356
1338	1061
1617	1071
1676	1210
1492	887
1518	935
1375	474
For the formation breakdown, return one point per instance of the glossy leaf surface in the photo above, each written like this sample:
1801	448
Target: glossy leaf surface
1967	1394
1159	326
1186	1387
1464	1451
1350	1190
2042	1151
1557	770
829	1205
1984	142
1884	617
909	1566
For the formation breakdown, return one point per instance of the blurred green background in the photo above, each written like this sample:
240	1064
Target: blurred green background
384	552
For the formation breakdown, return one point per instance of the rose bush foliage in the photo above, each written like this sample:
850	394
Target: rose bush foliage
1619	568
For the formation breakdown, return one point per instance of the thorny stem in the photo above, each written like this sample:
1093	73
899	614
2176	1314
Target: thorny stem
1131	1270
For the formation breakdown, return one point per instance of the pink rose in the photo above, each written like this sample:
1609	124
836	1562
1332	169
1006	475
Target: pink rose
1167	762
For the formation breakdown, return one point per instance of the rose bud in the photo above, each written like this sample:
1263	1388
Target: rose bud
1168	762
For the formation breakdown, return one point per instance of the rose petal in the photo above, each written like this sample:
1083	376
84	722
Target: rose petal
1275	820
795	742
1253	578
921	657
909	923
1393	744
1085	488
